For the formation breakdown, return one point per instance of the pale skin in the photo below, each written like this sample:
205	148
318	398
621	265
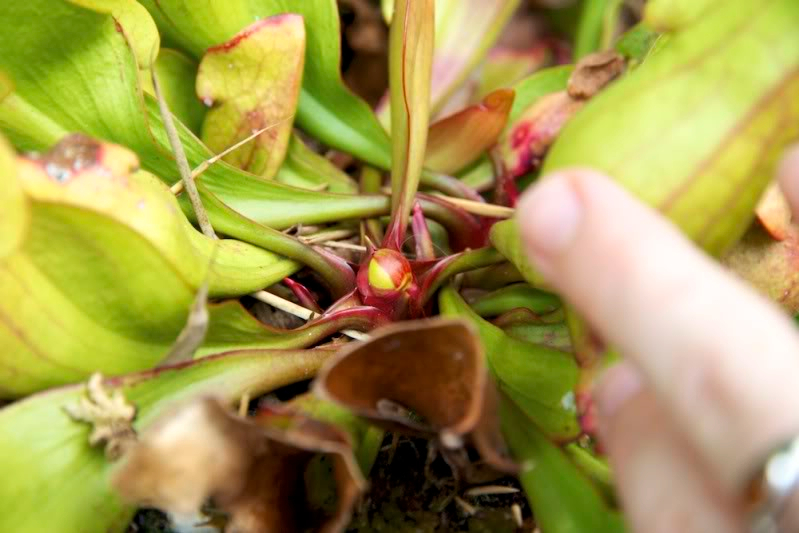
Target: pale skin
709	383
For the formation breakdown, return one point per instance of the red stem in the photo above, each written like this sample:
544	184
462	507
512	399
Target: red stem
423	242
304	296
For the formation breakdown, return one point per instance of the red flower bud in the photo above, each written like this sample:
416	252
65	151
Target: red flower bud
385	281
389	271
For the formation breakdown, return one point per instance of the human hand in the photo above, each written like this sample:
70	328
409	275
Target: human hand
709	386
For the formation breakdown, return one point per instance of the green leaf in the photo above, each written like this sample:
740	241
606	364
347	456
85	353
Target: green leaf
366	438
387	8
539	379
279	206
595	467
334	271
518	295
14	214
528	92
461	138
562	498
453	264
26	125
493	277
327	110
61	483
597	26
63	82
504	67
505	238
272	204
56	91
637	42
231	327
102	183
177	73
465	31
728	141
671	15
532	88
480	175
410	63
253	81
114	109
555	336
306	169
107	270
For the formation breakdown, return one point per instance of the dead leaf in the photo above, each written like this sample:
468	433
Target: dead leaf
774	213
768	254
593	72
110	415
193	333
252	469
771	266
425	378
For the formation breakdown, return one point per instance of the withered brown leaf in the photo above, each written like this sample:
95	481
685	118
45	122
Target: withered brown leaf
593	72
426	378
252	469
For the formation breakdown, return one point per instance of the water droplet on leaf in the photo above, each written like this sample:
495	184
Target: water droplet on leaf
58	173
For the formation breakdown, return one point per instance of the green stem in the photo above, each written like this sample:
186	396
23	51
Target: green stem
371	183
455	264
515	296
448	185
280	207
594	467
563	499
338	277
369	447
590	27
410	71
493	277
610	23
269	203
461	226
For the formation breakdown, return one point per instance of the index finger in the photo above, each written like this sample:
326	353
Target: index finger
723	360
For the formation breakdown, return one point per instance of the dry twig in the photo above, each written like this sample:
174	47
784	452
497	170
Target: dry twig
331	235
183	163
177	188
297	310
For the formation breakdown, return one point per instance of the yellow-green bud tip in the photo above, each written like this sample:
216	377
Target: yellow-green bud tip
389	271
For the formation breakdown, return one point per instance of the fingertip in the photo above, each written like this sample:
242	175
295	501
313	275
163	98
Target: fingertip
617	385
551	212
549	215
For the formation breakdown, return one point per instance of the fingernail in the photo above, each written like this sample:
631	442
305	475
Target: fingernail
549	215
615	387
